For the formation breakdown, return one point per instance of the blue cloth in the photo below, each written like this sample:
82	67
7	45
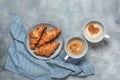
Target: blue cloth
21	62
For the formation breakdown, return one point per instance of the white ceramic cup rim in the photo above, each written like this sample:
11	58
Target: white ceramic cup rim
86	47
104	31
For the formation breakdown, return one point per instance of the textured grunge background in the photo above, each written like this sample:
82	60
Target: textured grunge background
70	15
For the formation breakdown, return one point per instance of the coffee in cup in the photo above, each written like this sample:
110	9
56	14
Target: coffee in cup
94	32
75	47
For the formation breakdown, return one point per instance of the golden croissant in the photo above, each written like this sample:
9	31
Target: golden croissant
35	35
48	36
46	49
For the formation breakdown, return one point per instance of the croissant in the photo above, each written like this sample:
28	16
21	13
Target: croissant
46	49
48	36
35	35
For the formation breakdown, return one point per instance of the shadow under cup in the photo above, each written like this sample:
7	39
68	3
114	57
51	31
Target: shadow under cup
69	54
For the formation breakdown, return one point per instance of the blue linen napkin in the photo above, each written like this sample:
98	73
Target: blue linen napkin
21	62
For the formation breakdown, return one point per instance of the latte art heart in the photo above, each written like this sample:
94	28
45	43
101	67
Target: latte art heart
93	31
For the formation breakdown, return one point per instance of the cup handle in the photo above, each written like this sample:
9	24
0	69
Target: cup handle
107	36
66	57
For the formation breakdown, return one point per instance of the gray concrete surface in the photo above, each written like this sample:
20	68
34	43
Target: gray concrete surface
70	15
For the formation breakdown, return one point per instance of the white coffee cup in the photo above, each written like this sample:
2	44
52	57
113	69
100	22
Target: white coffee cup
73	56
104	35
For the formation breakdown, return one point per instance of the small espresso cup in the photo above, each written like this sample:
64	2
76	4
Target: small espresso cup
75	47
94	32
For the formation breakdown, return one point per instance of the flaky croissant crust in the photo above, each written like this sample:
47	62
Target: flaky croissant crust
48	36
35	36
46	49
